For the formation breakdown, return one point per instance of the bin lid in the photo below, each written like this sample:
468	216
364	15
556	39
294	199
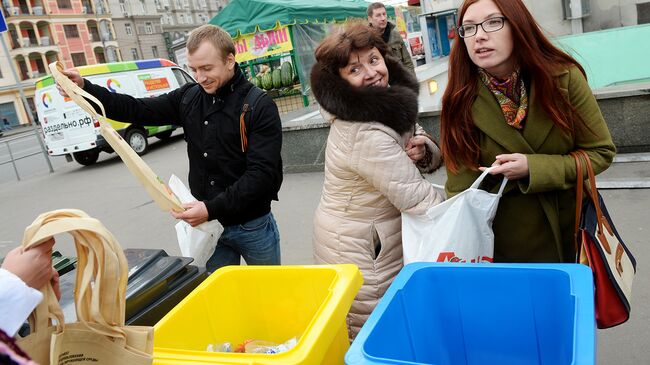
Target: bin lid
140	258
149	283
150	273
190	277
63	264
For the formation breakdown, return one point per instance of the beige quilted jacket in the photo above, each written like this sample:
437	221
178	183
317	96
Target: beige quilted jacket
369	180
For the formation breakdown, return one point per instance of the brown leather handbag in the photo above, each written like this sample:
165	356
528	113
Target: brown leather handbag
599	246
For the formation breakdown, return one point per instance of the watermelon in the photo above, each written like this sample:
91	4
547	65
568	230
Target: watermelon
267	81
276	75
287	74
255	81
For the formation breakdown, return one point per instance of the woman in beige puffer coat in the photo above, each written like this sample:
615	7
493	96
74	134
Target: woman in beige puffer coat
370	178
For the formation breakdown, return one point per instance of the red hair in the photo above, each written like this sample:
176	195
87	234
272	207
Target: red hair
536	57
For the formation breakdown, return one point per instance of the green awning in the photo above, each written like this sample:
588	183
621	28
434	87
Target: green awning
249	16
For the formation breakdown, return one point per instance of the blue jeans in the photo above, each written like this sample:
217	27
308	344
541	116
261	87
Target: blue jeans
257	240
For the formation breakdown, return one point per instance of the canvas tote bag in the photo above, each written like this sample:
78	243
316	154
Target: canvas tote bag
99	336
37	343
456	230
156	188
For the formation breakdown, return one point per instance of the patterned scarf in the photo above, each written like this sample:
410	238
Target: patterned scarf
511	95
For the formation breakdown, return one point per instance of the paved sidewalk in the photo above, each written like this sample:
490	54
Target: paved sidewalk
15	130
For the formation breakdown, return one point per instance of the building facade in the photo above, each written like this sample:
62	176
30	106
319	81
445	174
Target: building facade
179	17
81	32
138	28
75	32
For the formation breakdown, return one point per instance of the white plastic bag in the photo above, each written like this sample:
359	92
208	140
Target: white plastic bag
196	242
456	230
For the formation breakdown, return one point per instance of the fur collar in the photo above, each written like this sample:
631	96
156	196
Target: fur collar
395	106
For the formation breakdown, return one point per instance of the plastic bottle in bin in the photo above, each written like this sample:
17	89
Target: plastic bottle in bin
266	347
220	347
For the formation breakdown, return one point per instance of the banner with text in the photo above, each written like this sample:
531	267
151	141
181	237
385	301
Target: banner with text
262	44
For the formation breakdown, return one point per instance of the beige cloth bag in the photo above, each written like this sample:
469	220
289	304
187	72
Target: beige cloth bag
156	188
37	343
99	336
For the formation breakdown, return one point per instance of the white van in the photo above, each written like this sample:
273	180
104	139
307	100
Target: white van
68	130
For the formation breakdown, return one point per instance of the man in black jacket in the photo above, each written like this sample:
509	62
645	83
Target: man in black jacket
235	171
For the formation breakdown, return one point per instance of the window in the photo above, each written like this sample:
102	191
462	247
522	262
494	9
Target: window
181	76
643	13
128	29
178	4
122	6
158	5
134	53
8	110
32	107
189	19
582	7
143	8
170	20
78	59
154	51
181	19
64	4
148	28
71	31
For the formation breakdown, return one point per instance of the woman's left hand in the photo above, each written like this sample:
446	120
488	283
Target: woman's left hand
513	166
415	148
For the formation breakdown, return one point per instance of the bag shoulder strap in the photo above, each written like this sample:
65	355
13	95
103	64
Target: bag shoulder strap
250	103
189	94
582	160
579	194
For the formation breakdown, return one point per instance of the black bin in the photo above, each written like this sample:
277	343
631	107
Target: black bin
157	282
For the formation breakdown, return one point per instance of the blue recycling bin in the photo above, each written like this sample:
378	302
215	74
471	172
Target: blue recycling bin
482	314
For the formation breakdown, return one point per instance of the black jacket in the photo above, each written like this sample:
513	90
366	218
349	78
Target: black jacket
235	186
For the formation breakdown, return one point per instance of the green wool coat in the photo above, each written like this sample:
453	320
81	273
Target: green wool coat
535	218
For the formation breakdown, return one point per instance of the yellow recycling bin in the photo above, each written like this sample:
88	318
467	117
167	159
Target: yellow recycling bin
269	303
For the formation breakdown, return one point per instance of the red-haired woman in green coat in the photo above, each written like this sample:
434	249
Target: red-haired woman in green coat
517	102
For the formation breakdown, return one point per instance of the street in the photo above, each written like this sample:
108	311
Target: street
107	191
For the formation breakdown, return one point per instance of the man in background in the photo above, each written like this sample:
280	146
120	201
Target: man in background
379	20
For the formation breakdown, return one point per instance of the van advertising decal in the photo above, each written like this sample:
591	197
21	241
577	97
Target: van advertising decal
111	85
72	119
156	84
46	98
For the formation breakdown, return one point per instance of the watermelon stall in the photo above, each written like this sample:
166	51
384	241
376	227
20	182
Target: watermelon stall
275	41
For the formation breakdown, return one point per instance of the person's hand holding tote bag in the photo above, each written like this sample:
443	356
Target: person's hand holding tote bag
154	186
100	335
456	230
197	242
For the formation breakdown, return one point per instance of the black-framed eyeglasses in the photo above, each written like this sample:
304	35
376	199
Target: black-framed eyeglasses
488	25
